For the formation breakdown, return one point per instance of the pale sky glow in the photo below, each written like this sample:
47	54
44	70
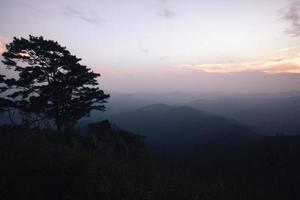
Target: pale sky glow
129	41
281	61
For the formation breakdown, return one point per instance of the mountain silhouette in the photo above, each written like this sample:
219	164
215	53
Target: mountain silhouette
182	128
267	116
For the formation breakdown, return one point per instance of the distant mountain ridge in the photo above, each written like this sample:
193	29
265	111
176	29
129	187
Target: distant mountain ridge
267	116
181	128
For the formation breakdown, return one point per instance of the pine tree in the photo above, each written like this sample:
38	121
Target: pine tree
51	82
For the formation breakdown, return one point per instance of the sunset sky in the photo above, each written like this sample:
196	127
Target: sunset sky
170	45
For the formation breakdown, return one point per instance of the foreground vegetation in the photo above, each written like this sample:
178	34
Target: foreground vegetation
43	164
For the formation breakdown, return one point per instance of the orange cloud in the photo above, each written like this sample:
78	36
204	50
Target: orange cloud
284	61
2	45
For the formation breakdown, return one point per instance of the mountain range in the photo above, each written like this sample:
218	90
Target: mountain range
182	129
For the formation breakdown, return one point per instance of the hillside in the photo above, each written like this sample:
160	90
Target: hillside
181	128
44	164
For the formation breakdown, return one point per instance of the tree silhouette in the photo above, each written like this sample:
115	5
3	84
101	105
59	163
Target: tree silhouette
50	83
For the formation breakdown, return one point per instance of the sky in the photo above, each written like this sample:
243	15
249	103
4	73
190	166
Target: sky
237	46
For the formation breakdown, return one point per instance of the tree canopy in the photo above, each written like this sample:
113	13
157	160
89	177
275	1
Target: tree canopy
49	82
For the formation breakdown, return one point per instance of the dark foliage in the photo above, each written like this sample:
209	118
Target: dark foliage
40	164
120	142
45	164
50	83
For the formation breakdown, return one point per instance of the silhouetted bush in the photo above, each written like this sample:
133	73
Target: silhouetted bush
44	164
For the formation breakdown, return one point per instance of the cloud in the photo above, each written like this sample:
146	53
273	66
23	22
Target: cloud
165	11
91	17
288	63
145	51
163	57
292	15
